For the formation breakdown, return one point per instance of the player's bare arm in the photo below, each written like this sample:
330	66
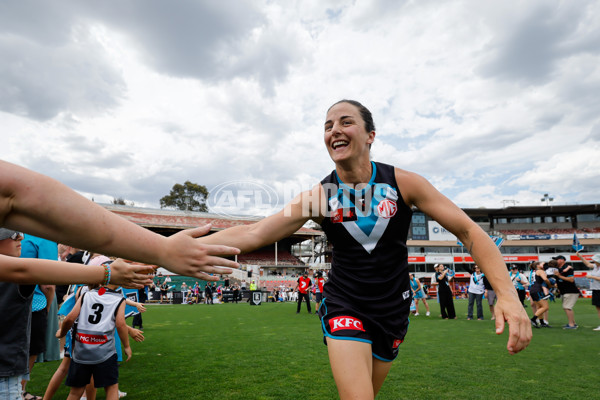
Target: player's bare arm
417	191
273	228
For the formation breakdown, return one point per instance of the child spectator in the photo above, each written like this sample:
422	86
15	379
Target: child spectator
94	318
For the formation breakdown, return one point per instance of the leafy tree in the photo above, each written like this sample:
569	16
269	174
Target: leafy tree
121	201
187	197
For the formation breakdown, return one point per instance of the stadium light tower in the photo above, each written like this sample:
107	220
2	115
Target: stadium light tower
547	199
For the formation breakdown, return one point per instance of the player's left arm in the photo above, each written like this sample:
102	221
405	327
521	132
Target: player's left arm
417	191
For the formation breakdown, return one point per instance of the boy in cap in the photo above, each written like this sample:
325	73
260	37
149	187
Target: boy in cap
15	312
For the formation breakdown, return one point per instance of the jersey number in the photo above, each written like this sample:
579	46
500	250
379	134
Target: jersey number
95	318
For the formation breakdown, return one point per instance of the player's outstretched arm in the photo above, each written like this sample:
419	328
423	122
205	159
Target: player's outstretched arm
420	193
273	228
42	206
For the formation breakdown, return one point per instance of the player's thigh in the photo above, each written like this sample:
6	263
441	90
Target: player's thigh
352	366
380	372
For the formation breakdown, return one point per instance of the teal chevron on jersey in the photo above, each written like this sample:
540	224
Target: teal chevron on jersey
373	206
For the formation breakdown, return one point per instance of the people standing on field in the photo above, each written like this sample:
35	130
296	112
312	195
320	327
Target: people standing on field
418	293
594	277
443	278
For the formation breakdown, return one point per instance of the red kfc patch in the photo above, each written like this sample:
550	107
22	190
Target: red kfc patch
397	343
345	322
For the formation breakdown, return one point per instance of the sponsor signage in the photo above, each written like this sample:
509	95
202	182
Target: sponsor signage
465	259
87	338
344	323
438	232
418	259
438	259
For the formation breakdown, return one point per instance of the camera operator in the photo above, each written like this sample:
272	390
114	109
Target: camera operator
443	276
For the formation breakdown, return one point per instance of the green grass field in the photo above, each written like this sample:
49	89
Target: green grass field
238	351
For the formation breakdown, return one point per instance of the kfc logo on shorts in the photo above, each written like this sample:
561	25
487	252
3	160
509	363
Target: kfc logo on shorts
397	343
344	322
387	208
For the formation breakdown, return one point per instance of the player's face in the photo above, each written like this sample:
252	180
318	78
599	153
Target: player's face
345	134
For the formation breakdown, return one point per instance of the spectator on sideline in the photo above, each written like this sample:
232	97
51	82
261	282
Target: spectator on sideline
476	289
184	292
443	277
538	296
319	282
545	289
490	295
236	292
208	294
418	294
568	290
303	286
137	318
164	290
519	281
594	276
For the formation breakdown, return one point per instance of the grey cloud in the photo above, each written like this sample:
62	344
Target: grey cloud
45	22
530	52
54	65
201	39
39	81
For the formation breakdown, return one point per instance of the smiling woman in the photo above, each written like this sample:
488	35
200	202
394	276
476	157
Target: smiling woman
365	209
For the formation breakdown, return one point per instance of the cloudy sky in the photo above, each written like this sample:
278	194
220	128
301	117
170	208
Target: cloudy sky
490	101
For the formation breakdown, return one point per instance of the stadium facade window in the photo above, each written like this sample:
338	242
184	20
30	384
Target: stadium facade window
438	250
518	250
537	220
548	219
500	221
588	217
520	220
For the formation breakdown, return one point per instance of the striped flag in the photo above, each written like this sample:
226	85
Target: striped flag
498	241
576	245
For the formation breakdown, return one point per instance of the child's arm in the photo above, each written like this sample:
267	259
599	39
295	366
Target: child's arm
69	319
135	334
122	330
140	307
50	272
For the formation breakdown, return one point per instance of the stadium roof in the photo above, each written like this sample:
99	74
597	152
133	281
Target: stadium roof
534	210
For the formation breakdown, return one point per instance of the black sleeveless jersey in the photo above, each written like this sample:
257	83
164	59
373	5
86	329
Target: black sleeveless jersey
368	229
